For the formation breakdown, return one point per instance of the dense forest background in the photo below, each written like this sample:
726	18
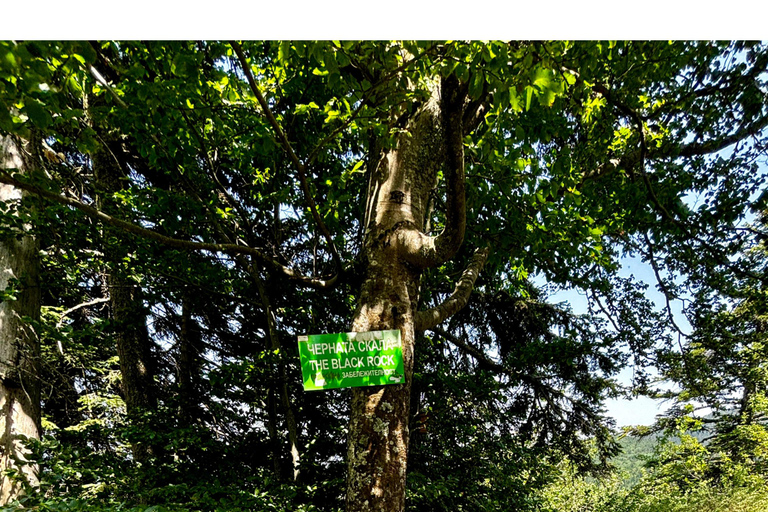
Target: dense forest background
174	214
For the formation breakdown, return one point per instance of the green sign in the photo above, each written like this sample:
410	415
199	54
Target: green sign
351	359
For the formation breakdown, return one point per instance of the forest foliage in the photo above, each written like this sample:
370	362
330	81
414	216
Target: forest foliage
199	205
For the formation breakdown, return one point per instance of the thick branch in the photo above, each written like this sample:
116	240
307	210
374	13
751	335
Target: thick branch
452	107
425	251
458	299
99	78
71	310
166	240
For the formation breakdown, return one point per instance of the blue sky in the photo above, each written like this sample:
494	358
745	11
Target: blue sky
641	410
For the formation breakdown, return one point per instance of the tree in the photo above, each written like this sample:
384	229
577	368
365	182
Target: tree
722	370
126	302
19	346
372	185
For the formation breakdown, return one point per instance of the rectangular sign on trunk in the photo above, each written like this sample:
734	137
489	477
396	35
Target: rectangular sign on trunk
351	359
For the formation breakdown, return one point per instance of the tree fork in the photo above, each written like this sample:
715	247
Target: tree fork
397	250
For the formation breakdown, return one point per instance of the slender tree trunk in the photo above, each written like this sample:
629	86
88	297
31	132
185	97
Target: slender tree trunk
190	350
126	303
274	439
19	347
397	250
274	337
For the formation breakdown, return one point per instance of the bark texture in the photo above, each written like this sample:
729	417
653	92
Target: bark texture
19	347
397	250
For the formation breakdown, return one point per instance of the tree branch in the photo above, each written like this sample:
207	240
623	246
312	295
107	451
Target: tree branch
475	352
428	251
71	310
452	110
174	243
458	299
715	145
275	344
535	382
689	150
366	97
300	168
99	78
639	159
663	288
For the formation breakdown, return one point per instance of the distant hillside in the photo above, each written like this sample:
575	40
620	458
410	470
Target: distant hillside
635	451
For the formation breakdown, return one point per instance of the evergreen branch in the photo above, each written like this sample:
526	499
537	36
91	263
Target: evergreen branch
168	241
536	382
214	174
276	345
475	352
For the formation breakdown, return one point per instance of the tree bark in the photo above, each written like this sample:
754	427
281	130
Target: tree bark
397	250
19	346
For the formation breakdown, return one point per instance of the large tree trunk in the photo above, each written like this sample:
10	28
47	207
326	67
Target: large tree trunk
127	309
19	347
397	250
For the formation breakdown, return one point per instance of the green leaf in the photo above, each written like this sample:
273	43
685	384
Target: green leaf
543	78
528	97
546	98
476	86
514	100
461	71
37	113
283	50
